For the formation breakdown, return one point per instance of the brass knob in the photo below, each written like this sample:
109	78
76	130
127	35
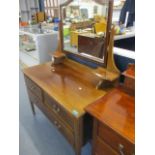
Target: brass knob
58	110
55	122
58	126
32	88
121	147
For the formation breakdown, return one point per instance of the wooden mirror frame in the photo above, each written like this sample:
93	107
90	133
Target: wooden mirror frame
108	31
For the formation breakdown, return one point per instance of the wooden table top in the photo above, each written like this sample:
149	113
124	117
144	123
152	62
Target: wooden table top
117	110
71	84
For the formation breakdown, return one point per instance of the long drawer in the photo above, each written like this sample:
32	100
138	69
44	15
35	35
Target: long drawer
59	111
118	143
60	126
101	148
52	117
33	87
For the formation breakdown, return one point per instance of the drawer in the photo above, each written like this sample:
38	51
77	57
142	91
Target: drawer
33	98
101	148
113	139
59	111
33	87
129	83
60	126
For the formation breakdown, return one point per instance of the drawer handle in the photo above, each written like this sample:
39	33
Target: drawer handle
55	122
55	109
32	88
57	125
121	147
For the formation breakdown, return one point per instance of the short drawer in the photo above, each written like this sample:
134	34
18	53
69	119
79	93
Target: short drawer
101	148
59	111
120	144
33	87
60	126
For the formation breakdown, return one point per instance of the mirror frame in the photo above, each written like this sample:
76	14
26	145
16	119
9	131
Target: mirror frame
108	31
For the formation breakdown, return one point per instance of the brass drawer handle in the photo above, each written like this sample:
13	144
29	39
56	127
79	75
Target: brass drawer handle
56	109
32	88
57	125
55	122
121	147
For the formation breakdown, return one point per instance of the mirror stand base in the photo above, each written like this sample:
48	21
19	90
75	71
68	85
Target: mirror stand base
104	84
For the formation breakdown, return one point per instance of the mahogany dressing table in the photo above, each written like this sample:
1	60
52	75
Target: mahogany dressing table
114	120
62	95
63	91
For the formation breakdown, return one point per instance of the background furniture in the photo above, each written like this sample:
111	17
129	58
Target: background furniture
35	44
100	27
82	24
114	119
114	126
40	17
74	37
91	44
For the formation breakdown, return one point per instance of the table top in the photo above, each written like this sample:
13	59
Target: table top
117	110
71	84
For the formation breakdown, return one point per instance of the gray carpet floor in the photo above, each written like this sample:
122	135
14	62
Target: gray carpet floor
37	136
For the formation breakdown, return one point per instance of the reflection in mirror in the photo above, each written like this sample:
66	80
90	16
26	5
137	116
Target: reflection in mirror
84	28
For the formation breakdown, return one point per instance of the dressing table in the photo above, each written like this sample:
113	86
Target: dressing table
62	91
114	119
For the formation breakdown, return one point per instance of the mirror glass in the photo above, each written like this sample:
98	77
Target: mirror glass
84	25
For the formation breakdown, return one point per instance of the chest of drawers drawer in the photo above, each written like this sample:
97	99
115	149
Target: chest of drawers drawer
118	143
101	148
59	125
59	111
33	87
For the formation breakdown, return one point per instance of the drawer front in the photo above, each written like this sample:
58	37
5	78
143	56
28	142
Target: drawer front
117	142
59	111
60	126
101	148
33	98
33	87
129	83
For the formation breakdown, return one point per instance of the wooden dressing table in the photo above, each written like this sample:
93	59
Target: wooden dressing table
62	95
63	91
114	120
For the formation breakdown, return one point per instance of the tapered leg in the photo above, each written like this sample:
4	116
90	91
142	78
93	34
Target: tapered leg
78	135
32	107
